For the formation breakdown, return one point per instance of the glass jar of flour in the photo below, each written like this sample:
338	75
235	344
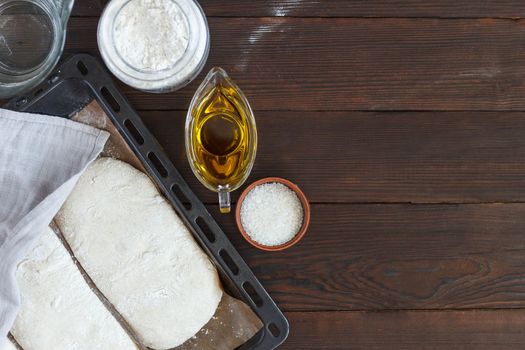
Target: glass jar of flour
154	45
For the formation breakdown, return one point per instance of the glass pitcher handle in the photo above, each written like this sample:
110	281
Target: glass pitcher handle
224	200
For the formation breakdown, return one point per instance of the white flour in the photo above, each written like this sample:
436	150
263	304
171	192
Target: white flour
151	34
154	45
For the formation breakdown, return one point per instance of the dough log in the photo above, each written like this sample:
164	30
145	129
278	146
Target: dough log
59	311
139	254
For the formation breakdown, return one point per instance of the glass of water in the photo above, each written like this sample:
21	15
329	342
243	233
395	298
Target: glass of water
32	36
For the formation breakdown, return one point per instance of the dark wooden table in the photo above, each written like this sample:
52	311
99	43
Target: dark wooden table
403	123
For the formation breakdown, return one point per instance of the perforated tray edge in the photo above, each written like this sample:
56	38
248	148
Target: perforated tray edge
91	81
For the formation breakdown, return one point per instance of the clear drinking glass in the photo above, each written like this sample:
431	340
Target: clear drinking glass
32	37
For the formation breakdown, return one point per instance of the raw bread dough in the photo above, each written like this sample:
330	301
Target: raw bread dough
59	311
7	345
140	254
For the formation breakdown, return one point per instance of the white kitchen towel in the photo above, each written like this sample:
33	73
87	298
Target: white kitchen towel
41	159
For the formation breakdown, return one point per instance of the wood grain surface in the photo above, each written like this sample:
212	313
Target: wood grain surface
88	8
366	8
404	124
355	157
343	8
456	330
355	64
376	257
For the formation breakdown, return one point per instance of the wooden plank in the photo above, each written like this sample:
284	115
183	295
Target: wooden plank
355	64
343	8
418	157
88	8
365	8
376	257
458	330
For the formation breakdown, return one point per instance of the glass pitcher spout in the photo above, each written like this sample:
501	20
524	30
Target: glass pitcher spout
221	135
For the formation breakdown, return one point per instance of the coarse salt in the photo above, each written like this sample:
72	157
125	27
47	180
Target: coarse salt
271	214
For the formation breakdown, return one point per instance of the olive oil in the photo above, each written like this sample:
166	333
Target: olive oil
221	138
220	141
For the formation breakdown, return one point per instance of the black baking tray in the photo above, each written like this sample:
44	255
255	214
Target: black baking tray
82	79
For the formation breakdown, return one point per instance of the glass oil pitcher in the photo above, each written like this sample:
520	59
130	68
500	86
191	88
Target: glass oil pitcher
32	36
221	136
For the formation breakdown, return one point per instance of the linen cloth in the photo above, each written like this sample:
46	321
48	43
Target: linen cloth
41	159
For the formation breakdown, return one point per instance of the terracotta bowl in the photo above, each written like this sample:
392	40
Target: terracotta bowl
306	214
